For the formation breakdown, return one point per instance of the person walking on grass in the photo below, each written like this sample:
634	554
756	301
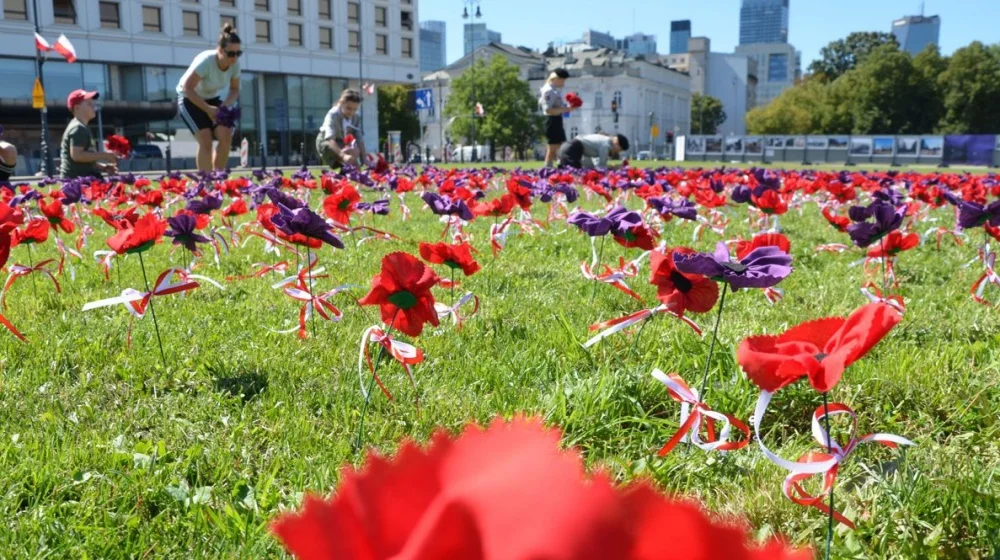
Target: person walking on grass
78	156
581	151
341	121
198	101
553	104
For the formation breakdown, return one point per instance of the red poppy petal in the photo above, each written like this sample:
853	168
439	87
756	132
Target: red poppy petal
863	330
702	296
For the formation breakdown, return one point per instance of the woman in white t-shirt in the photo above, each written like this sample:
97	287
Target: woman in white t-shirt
211	72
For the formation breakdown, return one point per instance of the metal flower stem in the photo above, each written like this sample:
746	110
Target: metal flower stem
489	278
152	312
34	290
885	276
312	298
452	286
715	336
600	257
371	384
829	446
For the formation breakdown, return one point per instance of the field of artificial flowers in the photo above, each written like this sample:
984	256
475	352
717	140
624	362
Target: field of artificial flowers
111	449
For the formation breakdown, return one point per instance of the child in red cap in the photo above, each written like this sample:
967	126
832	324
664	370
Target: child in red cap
78	157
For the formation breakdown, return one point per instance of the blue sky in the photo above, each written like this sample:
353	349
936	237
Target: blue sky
814	23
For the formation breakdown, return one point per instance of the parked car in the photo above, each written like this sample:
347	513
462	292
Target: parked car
417	158
146	151
644	155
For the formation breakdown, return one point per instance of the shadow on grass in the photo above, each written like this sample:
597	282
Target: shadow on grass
244	385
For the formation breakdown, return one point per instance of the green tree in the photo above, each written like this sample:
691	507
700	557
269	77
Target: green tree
803	109
396	112
930	64
510	109
971	90
706	114
846	54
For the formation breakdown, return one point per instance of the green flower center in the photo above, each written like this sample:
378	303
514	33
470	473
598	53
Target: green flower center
140	248
403	299
344	204
452	265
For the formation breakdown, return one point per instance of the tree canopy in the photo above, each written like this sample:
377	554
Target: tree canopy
706	114
846	54
396	112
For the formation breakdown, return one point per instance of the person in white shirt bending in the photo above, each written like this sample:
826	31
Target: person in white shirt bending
581	151
341	122
198	97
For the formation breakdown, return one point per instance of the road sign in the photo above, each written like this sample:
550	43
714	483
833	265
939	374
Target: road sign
655	130
38	95
424	99
245	153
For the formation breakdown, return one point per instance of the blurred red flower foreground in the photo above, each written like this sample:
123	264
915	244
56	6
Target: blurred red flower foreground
507	492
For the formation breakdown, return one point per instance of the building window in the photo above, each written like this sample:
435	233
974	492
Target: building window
407	47
353	41
406	20
295	34
381	16
224	19
324	9
574	132
326	38
263	31
64	11
15	9
353	12
192	24
190	1
777	67
295	7
227	3
617	99
110	18
262	5
381	44
151	19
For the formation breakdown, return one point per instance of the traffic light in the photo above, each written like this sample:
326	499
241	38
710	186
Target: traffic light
614	106
670	137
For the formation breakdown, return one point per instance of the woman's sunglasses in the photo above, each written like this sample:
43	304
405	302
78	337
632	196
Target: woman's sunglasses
234	54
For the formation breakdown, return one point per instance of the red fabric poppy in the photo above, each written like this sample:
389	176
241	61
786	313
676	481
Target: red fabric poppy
681	292
137	238
118	145
142	182
521	193
573	100
496	207
639	236
10	218
55	213
819	349
744	248
237	208
771	202
994	232
453	256
115	219
341	204
894	244
264	213
35	231
153	199
504	492
838	222
402	290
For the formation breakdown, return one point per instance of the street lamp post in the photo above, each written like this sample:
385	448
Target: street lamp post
475	124
46	152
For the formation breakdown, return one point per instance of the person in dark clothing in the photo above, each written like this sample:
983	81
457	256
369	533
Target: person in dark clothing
581	151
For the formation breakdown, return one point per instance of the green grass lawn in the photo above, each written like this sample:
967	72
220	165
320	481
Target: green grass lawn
106	454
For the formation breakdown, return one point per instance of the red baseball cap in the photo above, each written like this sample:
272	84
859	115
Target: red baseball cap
78	96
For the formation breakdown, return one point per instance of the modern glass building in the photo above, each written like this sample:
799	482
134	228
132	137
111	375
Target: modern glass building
680	32
914	33
637	44
763	21
298	56
476	35
432	46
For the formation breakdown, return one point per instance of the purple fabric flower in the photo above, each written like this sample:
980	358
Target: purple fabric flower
590	224
741	194
227	116
889	196
303	174
683	208
971	214
443	206
378	207
182	229
32	194
886	219
623	220
764	267
306	222
206	205
72	192
282	199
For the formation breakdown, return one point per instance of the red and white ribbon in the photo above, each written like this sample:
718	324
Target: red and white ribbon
813	463
617	325
262	270
874	295
616	277
304	274
691	419
957	235
63	251
988	277
406	354
105	259
404	210
10	327
318	303
136	301
716	221
444	310
832	248
20	271
498	235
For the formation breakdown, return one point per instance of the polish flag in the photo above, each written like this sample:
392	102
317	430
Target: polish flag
41	44
65	48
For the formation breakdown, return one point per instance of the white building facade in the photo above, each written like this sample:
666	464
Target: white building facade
298	56
731	78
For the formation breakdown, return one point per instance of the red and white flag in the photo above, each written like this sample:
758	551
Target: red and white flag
369	88
479	110
41	44
65	48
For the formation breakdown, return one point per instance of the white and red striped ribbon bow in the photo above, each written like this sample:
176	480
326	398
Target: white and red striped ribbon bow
20	271
263	269
498	235
63	251
957	235
304	274
832	248
186	274
773	295
219	244
988	277
136	301
406	354
105	259
617	325
813	463
444	310
457	227
690	429
716	221
558	211
271	243
615	277
404	210
874	295
85	232
311	302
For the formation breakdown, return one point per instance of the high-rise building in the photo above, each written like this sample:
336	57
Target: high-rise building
763	21
729	77
914	33
680	32
476	35
637	44
432	46
598	39
777	68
